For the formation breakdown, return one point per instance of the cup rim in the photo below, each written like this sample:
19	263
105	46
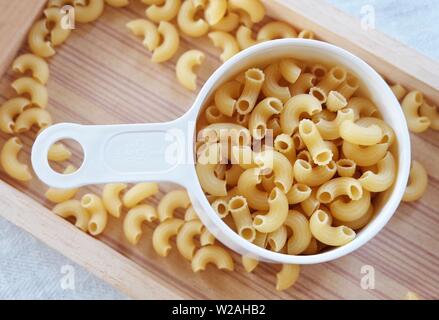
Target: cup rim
229	237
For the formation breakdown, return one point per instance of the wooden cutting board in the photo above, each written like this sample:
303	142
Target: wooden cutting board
16	17
103	75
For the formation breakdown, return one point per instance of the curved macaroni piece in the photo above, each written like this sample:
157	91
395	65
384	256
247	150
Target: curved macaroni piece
170	202
349	86
169	46
334	78
98	215
249	263
298	193
206	238
277	214
184	68
338	187
228	23
37	92
138	193
58	34
362	107
319	71
320	152
239	135
185	238
277	239
213	115
313	248
58	152
359	223
306	34
110	197
215	11
247	186
163	233
253	8
118	3
132	224
329	130
37	40
287	277
212	254
245	38
303	84
276	30
61	195
418	182
89	12
232	175
274	125
346	167
351	210
364	156
33	63
311	176
290	116
271	87
226	42
10	163
147	30
289	70
9	111
411	105
301	234
311	204
240	212
284	144
188	23
388	133
322	230
268	182
357	134
226	97
165	12
134	219
30	117
208	180
73	208
399	91
190	214
262	112
431	113
383	180
298	143
254	79
273	161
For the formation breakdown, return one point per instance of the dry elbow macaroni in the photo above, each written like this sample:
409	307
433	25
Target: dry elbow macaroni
327	152
332	194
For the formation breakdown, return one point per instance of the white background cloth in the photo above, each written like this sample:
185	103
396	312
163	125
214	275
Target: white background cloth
31	270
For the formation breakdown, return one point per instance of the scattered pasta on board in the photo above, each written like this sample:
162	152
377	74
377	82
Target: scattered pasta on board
306	149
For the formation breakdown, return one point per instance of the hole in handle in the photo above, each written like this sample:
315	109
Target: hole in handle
66	156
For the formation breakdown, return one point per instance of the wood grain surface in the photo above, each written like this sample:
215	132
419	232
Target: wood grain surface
16	17
103	75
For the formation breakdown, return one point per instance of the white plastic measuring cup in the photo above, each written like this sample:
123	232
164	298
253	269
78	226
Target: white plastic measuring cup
139	152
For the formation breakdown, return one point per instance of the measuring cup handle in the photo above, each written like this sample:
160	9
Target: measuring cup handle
119	153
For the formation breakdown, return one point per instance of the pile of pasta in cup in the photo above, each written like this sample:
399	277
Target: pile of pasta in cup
313	173
295	165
